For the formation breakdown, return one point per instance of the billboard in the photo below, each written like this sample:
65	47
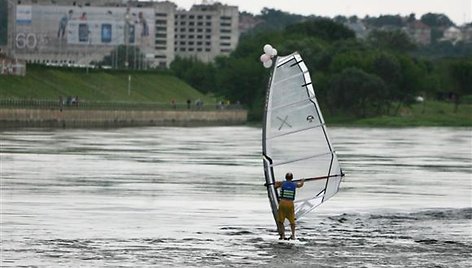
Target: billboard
68	29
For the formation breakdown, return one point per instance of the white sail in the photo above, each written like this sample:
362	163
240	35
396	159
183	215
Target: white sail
295	138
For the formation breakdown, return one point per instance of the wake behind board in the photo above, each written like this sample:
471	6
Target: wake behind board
291	241
275	240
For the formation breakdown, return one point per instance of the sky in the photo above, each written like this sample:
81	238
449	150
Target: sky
459	11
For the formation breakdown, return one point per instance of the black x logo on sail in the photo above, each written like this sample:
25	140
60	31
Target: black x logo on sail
284	122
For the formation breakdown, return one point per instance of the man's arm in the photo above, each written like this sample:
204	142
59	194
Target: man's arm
300	184
277	184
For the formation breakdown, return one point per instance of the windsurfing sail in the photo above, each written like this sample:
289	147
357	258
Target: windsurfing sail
294	137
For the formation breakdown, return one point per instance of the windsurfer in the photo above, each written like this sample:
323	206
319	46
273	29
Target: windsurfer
286	206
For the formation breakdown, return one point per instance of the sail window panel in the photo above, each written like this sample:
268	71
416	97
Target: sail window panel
305	169
310	189
333	183
293	118
335	167
288	92
332	187
281	60
282	77
305	144
306	206
287	70
282	155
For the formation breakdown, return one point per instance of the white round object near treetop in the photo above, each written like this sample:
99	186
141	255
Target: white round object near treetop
268	64
264	57
268	49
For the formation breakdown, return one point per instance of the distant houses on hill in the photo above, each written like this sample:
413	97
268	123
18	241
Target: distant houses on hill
418	31
431	28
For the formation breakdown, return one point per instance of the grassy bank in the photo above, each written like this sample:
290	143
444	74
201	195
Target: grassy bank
98	85
429	113
111	87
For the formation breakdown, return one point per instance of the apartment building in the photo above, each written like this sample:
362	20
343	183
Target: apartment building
79	32
206	31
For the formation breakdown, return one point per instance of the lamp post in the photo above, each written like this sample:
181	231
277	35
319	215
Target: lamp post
88	48
127	22
129	85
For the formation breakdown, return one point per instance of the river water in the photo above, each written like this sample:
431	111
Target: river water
194	197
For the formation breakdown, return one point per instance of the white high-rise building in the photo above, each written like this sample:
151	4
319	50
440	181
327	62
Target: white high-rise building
206	31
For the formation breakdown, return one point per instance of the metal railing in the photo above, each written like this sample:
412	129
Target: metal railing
112	105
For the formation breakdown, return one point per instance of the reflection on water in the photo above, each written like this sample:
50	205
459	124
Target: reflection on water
195	196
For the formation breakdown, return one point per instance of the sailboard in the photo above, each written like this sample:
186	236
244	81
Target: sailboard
294	136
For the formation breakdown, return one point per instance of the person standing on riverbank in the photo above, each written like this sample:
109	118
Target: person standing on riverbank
61	103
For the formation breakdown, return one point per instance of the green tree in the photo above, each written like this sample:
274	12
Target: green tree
198	74
340	19
240	79
436	20
387	67
312	48
412	75
356	92
391	40
445	49
325	29
348	59
436	35
385	20
461	72
275	19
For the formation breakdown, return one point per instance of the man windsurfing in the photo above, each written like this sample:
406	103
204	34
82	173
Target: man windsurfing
286	207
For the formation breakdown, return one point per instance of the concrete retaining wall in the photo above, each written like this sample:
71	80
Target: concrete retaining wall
12	118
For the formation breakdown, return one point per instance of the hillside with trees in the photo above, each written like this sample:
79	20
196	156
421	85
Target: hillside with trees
363	78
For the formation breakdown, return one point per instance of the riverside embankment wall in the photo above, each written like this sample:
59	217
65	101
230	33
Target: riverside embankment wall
14	118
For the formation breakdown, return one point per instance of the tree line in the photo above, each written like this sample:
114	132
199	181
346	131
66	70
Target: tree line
352	77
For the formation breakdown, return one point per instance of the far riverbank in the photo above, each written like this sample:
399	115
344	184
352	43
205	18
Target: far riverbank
71	118
426	114
36	113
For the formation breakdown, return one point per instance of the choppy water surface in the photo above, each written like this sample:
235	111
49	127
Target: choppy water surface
182	197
